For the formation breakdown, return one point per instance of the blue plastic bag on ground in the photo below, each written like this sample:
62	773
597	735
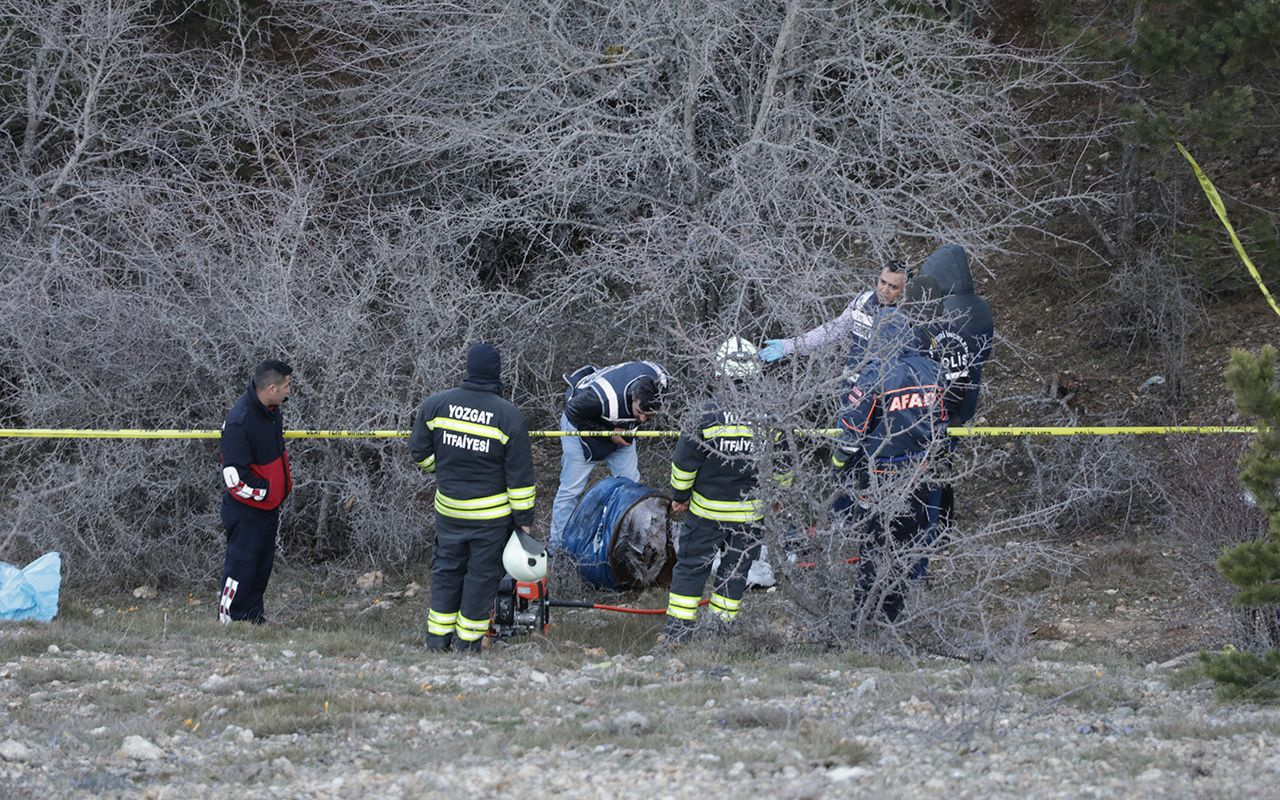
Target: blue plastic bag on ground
619	536
31	592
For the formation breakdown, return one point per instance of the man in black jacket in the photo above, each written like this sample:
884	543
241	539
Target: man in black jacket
963	332
963	336
255	472
477	444
616	398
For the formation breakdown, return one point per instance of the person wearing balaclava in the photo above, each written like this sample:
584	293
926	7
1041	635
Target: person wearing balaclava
477	445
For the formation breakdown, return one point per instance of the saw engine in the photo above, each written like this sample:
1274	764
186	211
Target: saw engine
520	608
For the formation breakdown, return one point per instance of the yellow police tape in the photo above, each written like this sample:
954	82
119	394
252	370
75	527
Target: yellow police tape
71	433
1221	209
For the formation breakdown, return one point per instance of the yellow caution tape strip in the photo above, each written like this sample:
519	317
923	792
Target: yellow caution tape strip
1218	206
1104	431
71	433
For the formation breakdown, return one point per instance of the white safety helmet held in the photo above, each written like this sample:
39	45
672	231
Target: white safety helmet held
737	359
524	557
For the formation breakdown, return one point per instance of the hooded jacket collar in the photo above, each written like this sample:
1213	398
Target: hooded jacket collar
482	384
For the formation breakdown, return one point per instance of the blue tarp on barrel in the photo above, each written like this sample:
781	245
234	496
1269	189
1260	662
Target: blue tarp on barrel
618	535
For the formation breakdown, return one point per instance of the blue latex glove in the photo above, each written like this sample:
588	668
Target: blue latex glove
773	350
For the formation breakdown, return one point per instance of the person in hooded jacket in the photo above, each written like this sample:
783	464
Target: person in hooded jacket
714	476
256	475
477	445
892	423
962	338
964	331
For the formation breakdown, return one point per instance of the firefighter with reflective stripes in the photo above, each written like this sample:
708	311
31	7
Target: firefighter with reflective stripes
477	444
714	476
892	423
255	473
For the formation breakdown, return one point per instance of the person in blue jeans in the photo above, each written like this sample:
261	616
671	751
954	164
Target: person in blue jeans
613	399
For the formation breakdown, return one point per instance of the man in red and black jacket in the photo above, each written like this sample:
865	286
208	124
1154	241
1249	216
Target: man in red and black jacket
255	473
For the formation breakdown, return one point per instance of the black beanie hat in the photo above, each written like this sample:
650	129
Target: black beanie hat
483	362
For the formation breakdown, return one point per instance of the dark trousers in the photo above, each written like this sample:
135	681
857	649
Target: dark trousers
246	567
466	566
739	545
885	559
947	502
946	505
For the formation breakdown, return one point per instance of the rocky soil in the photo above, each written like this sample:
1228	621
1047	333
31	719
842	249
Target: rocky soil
149	697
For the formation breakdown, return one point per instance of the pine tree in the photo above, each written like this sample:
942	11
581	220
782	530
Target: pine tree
1254	567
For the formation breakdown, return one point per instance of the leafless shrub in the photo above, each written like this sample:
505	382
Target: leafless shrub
1150	305
1209	512
1087	483
365	188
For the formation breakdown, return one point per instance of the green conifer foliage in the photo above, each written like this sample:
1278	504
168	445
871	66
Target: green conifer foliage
1254	567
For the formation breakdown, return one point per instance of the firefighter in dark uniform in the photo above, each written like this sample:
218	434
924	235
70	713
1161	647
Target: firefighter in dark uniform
714	477
476	443
892	423
255	472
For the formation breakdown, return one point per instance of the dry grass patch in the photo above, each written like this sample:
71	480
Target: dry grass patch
45	674
597	730
30	639
772	718
1119	566
1094	697
829	745
1176	728
307	711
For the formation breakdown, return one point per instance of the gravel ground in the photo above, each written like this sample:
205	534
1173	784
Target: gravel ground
161	702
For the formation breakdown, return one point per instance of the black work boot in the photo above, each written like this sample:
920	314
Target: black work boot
439	644
468	647
892	607
677	632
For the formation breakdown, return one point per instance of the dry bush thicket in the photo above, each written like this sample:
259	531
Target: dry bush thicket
1150	305
365	188
1209	512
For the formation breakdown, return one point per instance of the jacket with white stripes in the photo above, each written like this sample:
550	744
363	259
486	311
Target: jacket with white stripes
477	444
857	322
602	400
716	466
255	466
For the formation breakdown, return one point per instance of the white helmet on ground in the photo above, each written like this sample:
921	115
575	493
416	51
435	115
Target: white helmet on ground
524	557
737	359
